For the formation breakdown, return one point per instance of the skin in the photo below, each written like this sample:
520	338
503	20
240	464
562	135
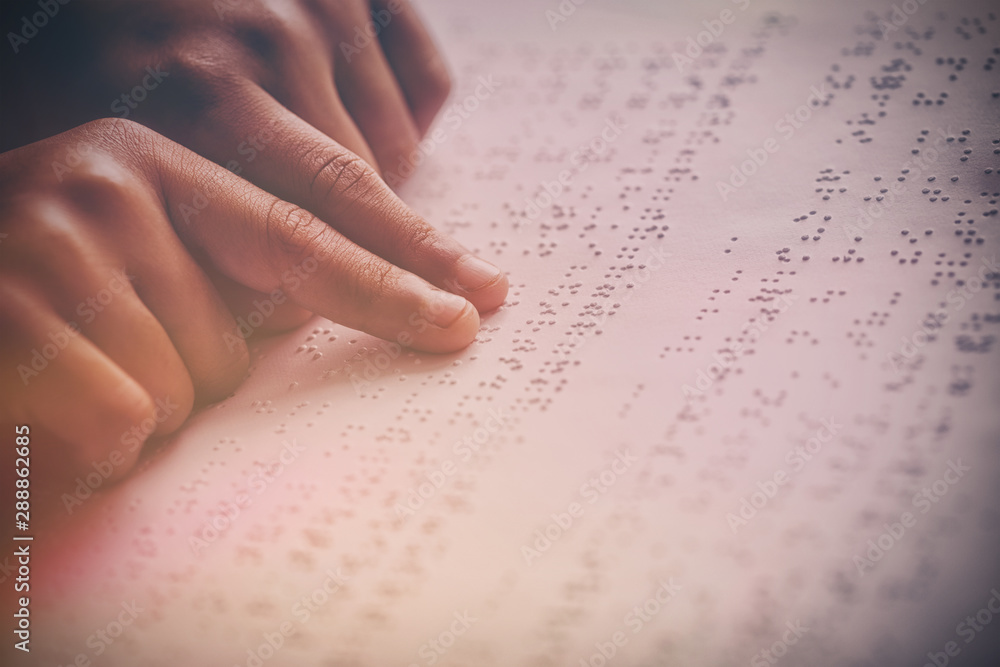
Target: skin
239	70
315	58
202	246
165	332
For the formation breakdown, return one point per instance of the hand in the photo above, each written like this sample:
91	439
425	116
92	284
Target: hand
109	318
366	74
275	91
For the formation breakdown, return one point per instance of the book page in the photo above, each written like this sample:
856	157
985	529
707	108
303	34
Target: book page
740	406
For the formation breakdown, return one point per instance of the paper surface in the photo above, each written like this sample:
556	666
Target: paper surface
700	430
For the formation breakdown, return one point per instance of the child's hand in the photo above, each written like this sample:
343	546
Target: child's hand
109	319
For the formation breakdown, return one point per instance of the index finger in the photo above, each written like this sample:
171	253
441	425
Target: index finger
283	250
300	164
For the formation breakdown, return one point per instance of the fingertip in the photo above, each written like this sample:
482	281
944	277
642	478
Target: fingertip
491	297
443	309
458	333
481	282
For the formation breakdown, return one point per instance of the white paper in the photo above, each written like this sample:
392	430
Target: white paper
609	358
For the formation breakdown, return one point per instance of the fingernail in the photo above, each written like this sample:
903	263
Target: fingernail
473	273
444	308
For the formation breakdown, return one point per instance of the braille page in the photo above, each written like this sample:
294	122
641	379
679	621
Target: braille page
740	406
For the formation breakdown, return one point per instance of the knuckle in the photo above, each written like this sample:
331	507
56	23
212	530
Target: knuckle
415	238
360	277
123	127
343	179
200	65
97	185
100	171
44	239
115	127
118	136
99	167
369	280
292	232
